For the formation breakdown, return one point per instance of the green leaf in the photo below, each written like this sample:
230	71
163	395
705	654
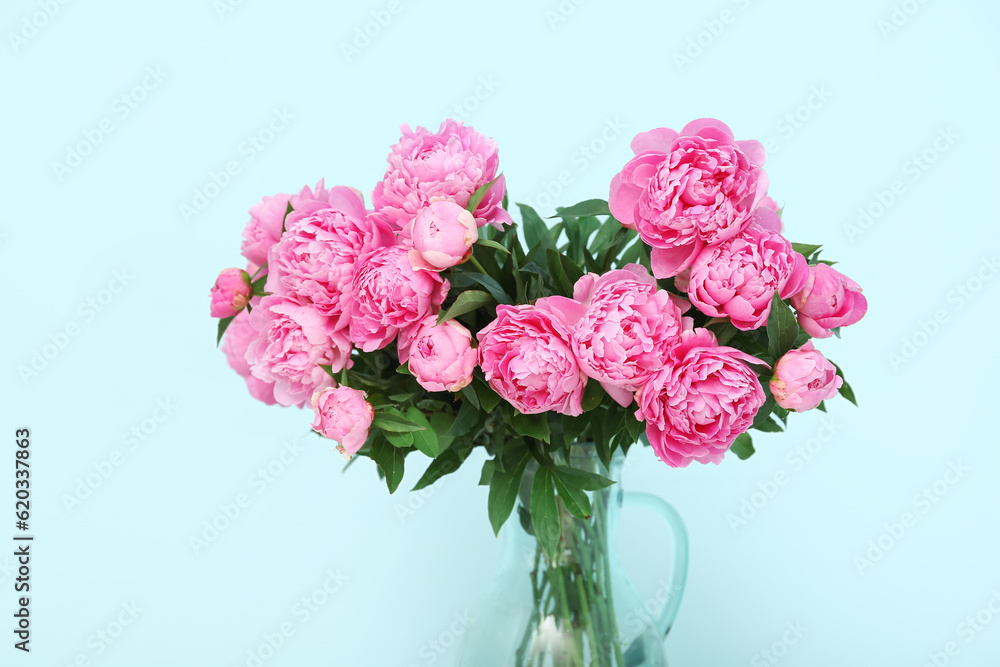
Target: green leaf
399	439
781	414
545	513
393	421
806	249
608	231
257	286
463	279
403	369
764	413
724	331
574	498
782	328
845	389
768	425
488	399
535	230
466	303
478	195
822	406
593	395
449	462
223	325
468	416
329	370
581	479
504	486
743	446
425	440
584	208
532	426
470	395
493	244
487	474
390	462
558	272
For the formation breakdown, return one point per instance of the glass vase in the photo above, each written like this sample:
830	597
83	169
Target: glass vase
578	609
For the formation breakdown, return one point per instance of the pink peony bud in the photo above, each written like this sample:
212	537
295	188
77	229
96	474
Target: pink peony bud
443	234
343	414
829	300
441	356
803	378
231	292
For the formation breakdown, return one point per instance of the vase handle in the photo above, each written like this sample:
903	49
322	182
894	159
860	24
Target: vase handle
678	574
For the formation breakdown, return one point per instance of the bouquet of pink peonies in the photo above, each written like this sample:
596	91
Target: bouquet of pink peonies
675	313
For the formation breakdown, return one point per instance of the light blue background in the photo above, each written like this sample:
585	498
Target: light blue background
878	97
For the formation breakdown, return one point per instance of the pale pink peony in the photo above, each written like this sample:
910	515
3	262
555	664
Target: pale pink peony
230	293
238	337
440	356
527	357
293	342
803	379
315	258
442	234
685	190
737	279
703	398
627	329
450	164
828	300
389	297
343	414
264	228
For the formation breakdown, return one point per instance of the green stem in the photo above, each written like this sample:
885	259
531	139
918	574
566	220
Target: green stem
604	537
479	266
557	573
595	655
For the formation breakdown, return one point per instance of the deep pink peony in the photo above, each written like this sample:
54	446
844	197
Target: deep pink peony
828	300
440	356
527	357
389	297
442	234
804	378
700	401
449	164
239	335
314	260
627	329
293	341
230	293
738	278
343	414
685	190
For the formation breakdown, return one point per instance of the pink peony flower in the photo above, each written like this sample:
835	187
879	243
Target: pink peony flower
527	358
266	218
314	260
264	228
238	337
293	342
343	414
440	356
450	164
828	300
700	401
442	234
627	330
684	190
804	378
389	297
231	292
737	279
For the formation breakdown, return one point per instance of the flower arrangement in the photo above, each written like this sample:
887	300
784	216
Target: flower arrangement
675	313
